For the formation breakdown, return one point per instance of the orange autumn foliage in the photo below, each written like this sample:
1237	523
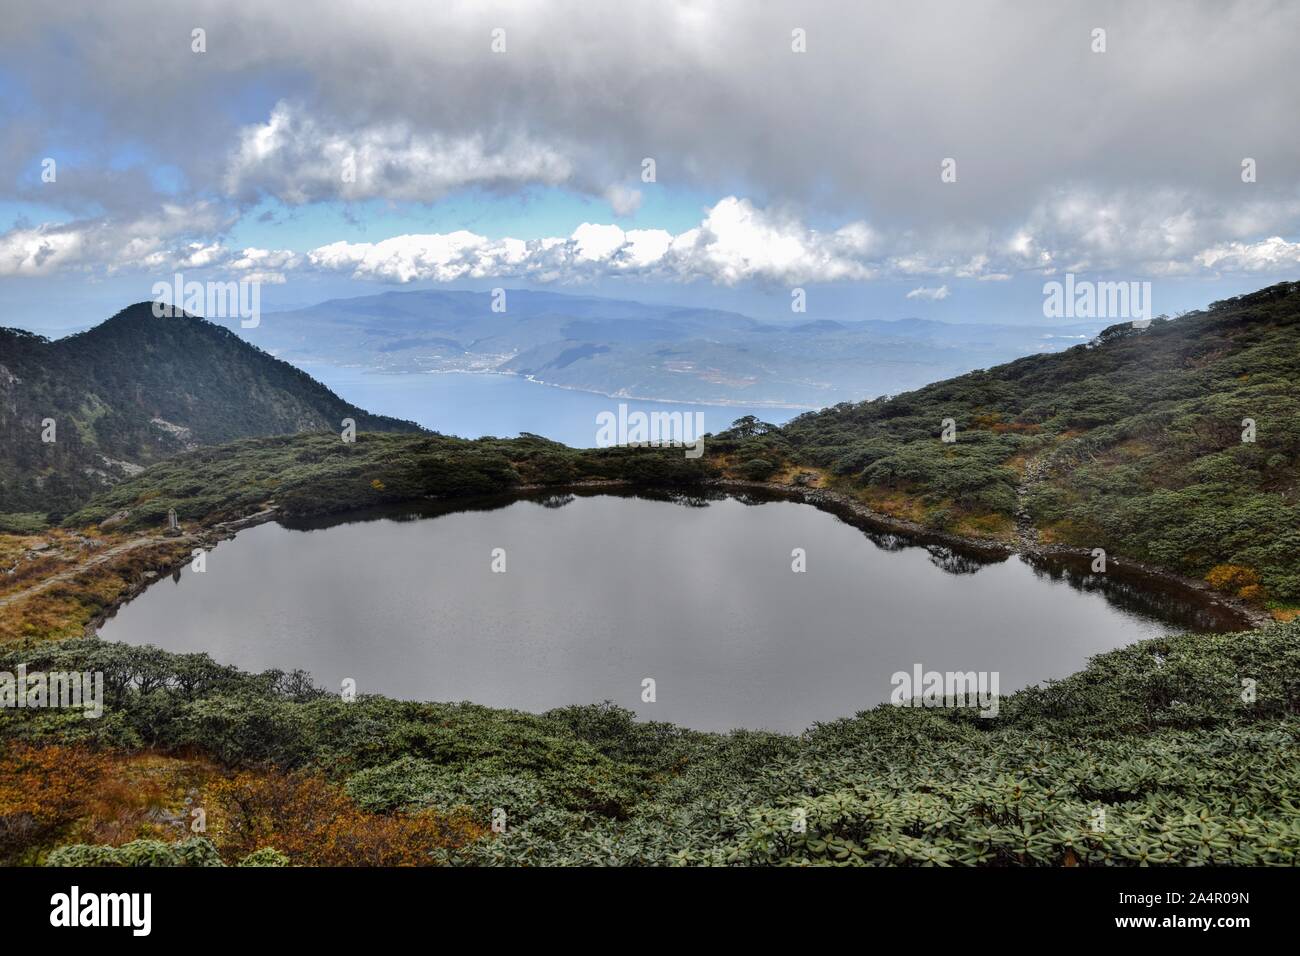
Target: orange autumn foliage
316	823
43	790
1235	578
57	795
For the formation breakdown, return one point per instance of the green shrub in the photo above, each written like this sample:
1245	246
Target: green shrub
757	469
267	856
1154	739
196	851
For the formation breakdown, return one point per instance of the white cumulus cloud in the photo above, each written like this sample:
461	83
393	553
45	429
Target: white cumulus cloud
1268	255
735	242
931	294
299	159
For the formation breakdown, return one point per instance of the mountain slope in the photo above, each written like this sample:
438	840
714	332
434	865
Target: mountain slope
1136	443
137	389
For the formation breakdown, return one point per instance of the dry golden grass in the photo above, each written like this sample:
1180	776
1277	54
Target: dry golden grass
997	527
57	795
67	605
316	823
1017	463
1062	532
895	502
786	475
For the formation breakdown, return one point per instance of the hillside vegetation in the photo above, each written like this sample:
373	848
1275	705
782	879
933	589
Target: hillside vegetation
1133	443
136	390
1152	755
320	473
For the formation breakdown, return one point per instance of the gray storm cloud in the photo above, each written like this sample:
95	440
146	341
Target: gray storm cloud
1064	157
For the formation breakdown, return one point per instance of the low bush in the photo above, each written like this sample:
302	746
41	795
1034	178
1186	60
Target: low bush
1151	755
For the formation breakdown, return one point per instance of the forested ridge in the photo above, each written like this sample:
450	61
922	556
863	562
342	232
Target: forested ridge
135	390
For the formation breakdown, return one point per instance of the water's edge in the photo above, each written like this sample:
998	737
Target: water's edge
856	513
847	509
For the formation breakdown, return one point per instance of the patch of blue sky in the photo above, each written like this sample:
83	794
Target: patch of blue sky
249	100
15	94
14	213
532	213
67	154
168	179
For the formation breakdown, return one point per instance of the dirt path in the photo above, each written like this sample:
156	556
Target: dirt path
81	567
1036	470
205	537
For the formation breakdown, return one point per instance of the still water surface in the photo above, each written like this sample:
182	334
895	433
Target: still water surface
472	405
603	591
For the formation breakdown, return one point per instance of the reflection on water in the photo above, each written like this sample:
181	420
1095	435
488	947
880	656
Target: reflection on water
1140	593
601	592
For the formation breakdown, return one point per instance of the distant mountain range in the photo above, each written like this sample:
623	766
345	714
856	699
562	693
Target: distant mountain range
631	349
137	389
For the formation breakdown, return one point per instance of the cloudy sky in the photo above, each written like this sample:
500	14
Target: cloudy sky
345	148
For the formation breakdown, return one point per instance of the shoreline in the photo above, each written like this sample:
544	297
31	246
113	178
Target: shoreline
205	537
844	507
1250	616
758	404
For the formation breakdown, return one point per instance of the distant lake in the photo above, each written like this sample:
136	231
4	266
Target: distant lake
472	405
602	592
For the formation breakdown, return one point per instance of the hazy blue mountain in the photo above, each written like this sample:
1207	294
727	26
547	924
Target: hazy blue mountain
624	348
